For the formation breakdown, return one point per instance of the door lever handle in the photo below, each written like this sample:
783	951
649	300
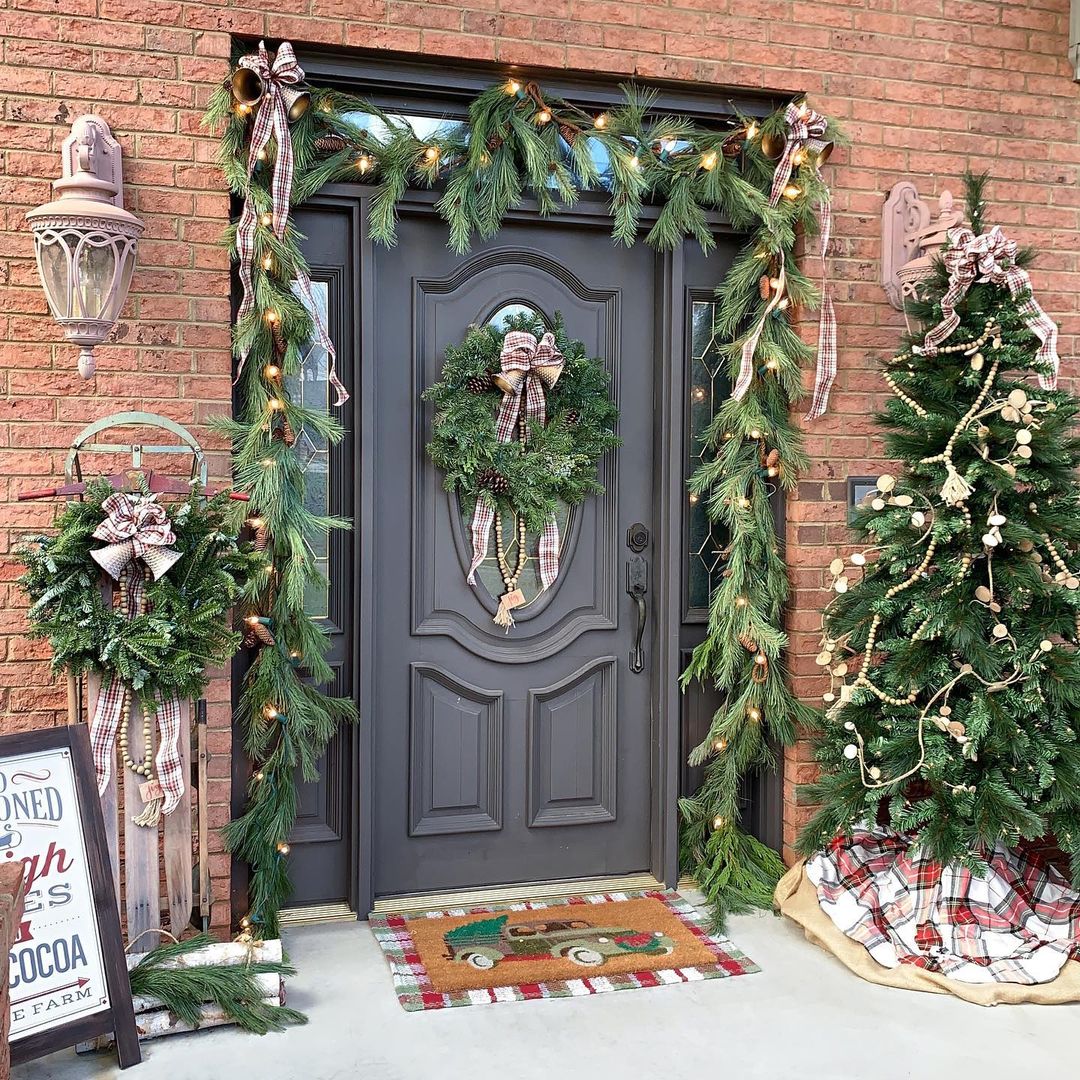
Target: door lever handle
637	585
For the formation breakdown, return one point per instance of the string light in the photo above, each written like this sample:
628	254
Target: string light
694	498
268	262
261	155
755	433
271	316
274	404
260	776
792	191
432	153
272	372
718	823
267	463
255	523
635	163
772	365
543	116
363	163
601	121
513	86
783	304
744	503
772	470
283	848
754	713
270	712
741	601
265	220
760	659
699	393
720	745
775	284
243	108
804	109
751	131
708	161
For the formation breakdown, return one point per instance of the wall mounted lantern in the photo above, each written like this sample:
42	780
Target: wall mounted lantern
912	236
85	240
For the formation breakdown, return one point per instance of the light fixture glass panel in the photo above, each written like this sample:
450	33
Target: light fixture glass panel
94	270
55	270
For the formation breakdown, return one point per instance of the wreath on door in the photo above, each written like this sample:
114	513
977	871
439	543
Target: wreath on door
522	418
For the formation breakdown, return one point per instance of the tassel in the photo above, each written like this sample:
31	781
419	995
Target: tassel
153	797
502	616
956	489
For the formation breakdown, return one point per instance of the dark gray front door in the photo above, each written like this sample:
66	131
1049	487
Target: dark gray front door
522	757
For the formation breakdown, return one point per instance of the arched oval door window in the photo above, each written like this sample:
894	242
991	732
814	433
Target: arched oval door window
489	574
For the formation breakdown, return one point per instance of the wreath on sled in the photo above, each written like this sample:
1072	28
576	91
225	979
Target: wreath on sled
523	416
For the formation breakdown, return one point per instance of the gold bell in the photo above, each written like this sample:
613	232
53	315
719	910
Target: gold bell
508	381
247	86
296	101
772	145
825	153
549	374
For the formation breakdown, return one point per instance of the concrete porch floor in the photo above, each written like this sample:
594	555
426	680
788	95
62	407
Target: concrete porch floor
803	1016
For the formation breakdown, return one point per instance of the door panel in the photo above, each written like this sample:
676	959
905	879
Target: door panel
522	757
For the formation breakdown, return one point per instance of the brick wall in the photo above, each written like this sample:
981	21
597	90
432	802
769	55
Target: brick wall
924	88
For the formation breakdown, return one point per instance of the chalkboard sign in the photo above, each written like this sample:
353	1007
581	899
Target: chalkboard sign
68	980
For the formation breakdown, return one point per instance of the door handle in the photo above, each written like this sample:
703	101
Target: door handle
637	585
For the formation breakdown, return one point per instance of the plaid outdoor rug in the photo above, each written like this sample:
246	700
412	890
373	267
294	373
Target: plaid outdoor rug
551	949
1020	923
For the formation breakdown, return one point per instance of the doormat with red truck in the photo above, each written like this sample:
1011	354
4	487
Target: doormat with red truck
551	949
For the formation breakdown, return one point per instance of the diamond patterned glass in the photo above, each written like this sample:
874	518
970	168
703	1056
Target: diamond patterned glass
708	385
310	388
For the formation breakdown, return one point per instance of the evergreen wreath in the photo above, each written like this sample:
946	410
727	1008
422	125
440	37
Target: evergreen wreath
186	628
557	464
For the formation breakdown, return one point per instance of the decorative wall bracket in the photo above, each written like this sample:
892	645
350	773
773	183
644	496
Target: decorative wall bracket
911	236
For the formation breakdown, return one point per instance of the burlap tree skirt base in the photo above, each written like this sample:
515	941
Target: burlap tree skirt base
796	897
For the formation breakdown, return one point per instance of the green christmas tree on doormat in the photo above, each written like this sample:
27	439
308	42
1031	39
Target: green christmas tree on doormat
949	745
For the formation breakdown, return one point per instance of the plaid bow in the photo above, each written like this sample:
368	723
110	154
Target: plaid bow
991	257
136	528
806	130
527	365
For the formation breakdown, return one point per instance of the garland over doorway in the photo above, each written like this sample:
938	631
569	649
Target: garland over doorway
281	142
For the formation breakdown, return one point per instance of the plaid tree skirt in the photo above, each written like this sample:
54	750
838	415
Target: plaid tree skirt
1018	924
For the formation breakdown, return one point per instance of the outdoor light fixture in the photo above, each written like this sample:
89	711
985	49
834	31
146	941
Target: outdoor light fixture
85	240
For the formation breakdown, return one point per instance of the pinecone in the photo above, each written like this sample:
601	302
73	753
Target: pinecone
494	142
732	147
573	418
765	286
249	640
280	344
478	384
494	482
284	432
330	144
569	133
262	536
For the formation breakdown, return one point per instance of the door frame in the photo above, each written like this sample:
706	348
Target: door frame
437	88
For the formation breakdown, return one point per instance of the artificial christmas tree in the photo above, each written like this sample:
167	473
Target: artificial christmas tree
949	744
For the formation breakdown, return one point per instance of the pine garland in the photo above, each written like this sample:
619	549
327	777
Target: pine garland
557	464
754	449
522	142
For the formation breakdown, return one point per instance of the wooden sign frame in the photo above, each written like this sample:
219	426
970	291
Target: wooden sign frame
118	1015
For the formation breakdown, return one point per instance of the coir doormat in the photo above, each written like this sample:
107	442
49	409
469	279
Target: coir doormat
551	949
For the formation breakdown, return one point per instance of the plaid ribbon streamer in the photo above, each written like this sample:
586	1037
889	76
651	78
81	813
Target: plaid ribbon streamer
110	702
322	336
103	729
272	118
991	257
137	528
170	768
519	360
825	374
1018	924
750	343
806	130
